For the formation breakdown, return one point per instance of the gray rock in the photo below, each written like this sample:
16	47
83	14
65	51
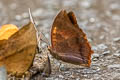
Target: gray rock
77	78
92	20
106	53
113	66
102	46
91	70
117	53
63	68
56	79
116	39
61	76
85	4
3	73
18	17
50	78
95	57
102	37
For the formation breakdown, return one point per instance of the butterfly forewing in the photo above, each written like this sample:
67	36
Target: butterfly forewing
68	41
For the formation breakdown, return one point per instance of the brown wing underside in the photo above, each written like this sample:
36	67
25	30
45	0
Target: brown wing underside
69	42
18	51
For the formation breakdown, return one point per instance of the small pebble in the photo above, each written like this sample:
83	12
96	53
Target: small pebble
18	17
56	79
116	39
90	70
3	73
94	48
92	20
49	78
85	4
117	53
77	78
99	47
102	46
115	6
61	76
113	66
106	53
115	17
102	37
63	68
47	36
95	57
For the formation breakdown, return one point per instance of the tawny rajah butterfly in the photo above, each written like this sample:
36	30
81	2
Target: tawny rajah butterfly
68	41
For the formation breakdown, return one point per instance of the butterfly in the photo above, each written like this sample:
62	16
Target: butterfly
18	51
68	41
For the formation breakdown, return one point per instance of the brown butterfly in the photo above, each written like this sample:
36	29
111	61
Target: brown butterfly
68	42
17	53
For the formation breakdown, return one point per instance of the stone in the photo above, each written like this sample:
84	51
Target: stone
116	39
77	78
95	57
18	17
61	76
117	53
102	46
92	20
106	53
3	73
113	66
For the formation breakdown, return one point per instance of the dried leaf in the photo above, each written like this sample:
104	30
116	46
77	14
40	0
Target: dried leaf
17	53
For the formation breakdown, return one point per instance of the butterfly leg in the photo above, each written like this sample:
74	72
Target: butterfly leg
59	67
47	69
40	40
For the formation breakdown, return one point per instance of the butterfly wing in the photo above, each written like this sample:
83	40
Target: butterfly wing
18	51
69	42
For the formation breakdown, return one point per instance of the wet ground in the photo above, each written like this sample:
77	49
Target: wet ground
100	20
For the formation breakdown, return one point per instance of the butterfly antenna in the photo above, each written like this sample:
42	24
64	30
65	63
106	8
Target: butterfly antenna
32	20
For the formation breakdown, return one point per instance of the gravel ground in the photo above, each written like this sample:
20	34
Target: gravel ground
100	20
